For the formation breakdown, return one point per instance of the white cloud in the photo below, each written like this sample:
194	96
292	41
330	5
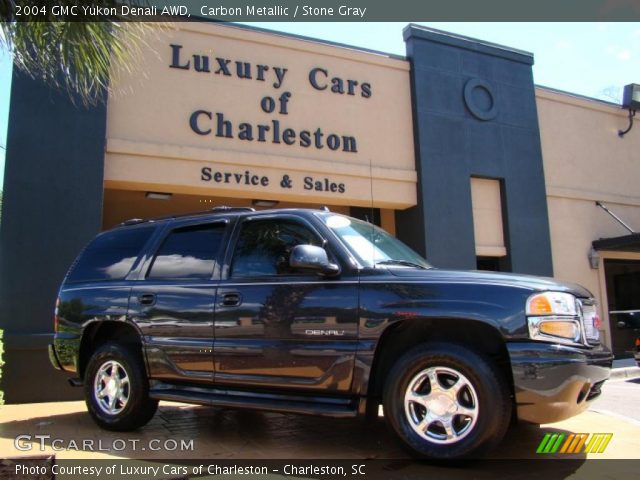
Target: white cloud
623	55
618	53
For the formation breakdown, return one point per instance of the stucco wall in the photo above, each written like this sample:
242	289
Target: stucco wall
585	161
152	143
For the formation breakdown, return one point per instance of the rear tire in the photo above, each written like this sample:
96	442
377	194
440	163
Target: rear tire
117	390
446	401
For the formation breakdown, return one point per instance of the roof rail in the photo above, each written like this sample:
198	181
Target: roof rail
133	221
224	208
220	209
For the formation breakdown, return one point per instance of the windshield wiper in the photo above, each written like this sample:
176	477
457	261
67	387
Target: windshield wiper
404	263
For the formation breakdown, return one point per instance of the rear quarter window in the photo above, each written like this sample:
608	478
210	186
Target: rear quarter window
110	256
188	253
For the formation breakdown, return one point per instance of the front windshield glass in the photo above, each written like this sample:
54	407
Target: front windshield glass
371	245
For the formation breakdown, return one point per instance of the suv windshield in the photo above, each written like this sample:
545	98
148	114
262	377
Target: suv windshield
370	244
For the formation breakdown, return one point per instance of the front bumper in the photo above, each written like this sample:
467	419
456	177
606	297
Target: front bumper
553	382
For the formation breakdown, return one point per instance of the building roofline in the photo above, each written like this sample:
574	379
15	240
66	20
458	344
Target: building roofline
577	96
295	36
468	43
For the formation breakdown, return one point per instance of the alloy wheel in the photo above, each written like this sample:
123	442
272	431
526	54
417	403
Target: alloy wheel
111	387
441	405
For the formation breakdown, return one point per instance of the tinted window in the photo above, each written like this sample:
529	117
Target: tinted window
111	255
188	253
264	247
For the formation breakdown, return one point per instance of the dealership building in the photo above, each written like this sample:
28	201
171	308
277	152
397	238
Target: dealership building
452	149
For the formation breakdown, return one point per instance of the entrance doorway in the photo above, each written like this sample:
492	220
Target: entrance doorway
622	279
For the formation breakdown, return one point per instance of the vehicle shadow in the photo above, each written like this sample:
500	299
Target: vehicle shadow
184	432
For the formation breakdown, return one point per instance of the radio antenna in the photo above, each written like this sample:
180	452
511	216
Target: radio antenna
373	216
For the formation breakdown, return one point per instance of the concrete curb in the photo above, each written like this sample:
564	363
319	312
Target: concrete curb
622	373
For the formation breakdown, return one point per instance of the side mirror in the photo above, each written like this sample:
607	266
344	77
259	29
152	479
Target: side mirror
309	257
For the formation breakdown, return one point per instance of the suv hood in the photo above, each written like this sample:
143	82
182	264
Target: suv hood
531	282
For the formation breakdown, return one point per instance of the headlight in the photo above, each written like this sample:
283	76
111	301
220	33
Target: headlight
552	303
555	317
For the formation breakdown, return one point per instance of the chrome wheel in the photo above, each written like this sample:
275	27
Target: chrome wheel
441	405
111	387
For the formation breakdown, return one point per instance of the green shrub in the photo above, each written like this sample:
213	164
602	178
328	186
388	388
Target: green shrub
1	364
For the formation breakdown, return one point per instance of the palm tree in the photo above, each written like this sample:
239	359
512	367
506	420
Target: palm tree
76	56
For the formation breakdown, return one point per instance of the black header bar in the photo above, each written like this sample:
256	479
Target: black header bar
319	10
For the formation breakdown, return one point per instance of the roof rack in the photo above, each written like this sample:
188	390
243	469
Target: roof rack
220	209
133	221
224	208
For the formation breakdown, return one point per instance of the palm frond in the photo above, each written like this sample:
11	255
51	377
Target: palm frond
76	56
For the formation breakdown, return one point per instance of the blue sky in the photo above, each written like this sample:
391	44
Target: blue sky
5	88
592	59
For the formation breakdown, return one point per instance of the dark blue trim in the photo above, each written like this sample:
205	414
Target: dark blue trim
52	207
453	145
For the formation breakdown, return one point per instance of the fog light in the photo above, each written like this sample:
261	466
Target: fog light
559	328
555	329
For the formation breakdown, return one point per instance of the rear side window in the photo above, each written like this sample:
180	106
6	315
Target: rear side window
188	253
111	255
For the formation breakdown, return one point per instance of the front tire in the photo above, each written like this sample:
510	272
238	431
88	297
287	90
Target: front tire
445	401
117	389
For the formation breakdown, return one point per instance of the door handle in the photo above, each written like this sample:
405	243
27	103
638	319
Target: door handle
231	300
147	299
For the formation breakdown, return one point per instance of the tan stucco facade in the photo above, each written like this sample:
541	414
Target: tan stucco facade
283	134
586	161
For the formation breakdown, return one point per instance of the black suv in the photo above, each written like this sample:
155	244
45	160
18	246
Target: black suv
308	311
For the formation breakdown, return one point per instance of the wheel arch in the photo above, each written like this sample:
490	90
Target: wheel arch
98	333
401	336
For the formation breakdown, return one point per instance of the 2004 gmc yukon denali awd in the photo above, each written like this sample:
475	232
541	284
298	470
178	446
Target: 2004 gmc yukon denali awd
312	312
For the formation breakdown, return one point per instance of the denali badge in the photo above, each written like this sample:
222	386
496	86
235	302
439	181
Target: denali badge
337	333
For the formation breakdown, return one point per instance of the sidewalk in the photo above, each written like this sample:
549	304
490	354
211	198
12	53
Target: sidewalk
625	368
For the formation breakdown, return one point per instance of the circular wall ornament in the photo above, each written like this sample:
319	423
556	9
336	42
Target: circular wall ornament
480	99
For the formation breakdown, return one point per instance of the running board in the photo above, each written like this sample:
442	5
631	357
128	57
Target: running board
321	406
